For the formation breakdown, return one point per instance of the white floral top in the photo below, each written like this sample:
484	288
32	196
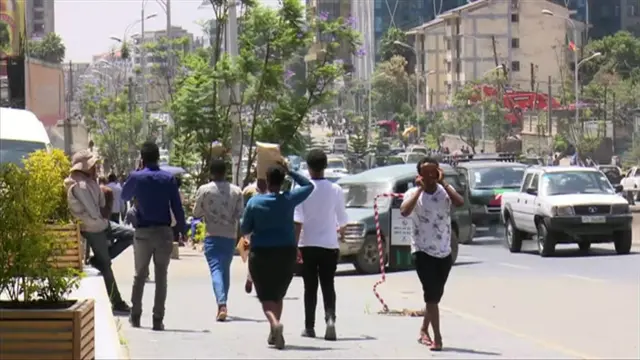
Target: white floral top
431	220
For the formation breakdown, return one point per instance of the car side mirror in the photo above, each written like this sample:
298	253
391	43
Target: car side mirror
618	188
532	191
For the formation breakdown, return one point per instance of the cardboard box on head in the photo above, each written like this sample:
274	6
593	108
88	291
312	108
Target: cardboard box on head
267	156
217	149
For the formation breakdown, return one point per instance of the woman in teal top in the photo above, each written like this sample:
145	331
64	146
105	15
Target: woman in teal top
273	248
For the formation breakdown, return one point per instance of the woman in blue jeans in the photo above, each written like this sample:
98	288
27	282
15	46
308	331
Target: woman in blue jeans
220	204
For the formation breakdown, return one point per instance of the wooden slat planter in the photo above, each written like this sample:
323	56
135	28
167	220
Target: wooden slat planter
48	334
72	249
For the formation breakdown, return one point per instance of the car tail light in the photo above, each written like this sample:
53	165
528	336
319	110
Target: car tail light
496	201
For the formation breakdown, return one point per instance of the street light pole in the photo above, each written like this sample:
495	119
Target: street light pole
143	67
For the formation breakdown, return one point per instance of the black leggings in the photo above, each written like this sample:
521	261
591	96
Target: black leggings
433	273
271	270
319	264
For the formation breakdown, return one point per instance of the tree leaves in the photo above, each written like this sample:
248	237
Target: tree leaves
50	49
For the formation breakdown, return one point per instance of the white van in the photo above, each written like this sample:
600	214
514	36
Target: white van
21	133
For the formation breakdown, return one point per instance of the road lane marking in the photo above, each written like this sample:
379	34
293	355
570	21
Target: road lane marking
521	267
546	344
585	278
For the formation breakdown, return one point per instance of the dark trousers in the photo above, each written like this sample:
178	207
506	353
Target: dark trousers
319	266
115	217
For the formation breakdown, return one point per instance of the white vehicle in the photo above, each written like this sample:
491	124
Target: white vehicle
339	144
631	182
337	165
418	149
564	205
411	157
21	133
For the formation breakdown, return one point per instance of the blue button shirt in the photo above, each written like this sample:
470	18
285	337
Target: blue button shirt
156	193
269	217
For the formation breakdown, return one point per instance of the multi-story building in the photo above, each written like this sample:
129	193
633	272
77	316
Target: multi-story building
375	17
177	32
40	17
631	16
331	10
470	41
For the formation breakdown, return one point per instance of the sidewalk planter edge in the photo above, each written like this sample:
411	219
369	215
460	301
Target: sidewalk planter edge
71	250
59	332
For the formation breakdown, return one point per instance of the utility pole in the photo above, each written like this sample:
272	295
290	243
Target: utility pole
170	59
495	52
549	107
143	69
68	132
234	98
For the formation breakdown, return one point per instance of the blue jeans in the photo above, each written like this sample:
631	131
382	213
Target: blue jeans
219	253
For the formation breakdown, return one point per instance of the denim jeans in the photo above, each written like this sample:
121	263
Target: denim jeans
219	254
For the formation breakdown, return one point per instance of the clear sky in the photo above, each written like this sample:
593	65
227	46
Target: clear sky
86	25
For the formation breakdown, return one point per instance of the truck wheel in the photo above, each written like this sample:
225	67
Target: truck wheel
584	247
454	247
546	243
368	258
513	236
622	242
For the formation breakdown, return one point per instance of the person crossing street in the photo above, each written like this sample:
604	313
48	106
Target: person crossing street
316	220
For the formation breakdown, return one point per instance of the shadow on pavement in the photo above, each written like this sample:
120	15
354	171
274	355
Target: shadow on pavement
182	331
242	319
572	251
306	348
357	338
467	263
469	351
485	241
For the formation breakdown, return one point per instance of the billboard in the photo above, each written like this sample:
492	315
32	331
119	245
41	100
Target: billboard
12	26
44	92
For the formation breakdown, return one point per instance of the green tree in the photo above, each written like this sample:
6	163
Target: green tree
390	47
50	49
392	88
115	121
620	56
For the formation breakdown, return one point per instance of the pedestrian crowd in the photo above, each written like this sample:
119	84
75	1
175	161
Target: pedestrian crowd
280	231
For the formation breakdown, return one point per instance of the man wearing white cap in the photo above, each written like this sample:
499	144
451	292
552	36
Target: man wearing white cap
85	200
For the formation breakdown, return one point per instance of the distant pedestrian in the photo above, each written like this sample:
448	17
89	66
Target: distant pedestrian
272	257
88	205
320	220
177	231
220	203
428	204
116	207
157	195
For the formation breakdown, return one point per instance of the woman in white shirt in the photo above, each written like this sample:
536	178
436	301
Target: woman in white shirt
428	204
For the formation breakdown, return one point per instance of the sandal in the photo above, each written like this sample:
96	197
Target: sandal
436	347
425	340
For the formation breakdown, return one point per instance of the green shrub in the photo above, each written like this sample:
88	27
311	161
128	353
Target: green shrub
30	198
201	233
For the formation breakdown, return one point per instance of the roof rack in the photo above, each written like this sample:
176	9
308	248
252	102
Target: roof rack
455	159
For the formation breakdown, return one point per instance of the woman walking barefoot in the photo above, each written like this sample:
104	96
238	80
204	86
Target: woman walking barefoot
273	248
428	204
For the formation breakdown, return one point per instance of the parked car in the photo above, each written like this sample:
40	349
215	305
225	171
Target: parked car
360	246
564	205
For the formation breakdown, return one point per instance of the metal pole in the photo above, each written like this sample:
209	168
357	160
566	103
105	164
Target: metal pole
417	102
482	119
170	57
369	114
143	70
577	85
236	135
68	131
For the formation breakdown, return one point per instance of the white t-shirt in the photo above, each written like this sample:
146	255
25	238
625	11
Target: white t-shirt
431	220
321	215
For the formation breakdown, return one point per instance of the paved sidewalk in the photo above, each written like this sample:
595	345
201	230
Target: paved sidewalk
192	332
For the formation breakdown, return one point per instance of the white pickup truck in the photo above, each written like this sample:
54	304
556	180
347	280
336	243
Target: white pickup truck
631	184
565	205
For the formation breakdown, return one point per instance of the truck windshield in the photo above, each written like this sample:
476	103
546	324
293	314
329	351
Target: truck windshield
497	177
363	195
14	151
576	182
336	164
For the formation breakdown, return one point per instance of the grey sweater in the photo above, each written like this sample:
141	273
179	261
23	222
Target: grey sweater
220	204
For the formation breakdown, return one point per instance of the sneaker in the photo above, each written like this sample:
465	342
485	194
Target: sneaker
158	325
134	320
310	333
121	307
271	340
330	332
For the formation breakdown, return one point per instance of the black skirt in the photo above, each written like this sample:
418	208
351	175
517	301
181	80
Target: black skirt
433	273
272	270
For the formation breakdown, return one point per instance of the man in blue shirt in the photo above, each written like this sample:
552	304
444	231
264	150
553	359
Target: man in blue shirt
272	257
156	196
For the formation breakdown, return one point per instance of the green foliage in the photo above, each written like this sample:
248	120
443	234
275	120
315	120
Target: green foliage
50	49
31	198
390	46
5	37
201	232
116	124
391	88
620	56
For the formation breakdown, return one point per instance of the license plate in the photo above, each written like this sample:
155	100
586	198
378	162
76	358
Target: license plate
594	219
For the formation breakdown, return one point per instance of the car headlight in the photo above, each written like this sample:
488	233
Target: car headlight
562	211
620	209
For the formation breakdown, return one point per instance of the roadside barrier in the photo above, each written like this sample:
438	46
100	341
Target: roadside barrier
385	308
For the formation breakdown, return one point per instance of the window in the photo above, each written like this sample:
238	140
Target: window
448	67
515	43
515	66
525	183
38	29
458	67
38	3
632	10
378	4
38	15
447	43
378	24
515	18
534	183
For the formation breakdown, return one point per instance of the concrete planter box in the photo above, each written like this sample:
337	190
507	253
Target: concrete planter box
59	332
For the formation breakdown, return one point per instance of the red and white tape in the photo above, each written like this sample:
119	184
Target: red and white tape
383	278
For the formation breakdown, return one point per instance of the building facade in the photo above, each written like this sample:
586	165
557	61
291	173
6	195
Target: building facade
458	46
40	17
331	10
177	32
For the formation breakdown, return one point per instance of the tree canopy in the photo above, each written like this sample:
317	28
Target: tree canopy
50	49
